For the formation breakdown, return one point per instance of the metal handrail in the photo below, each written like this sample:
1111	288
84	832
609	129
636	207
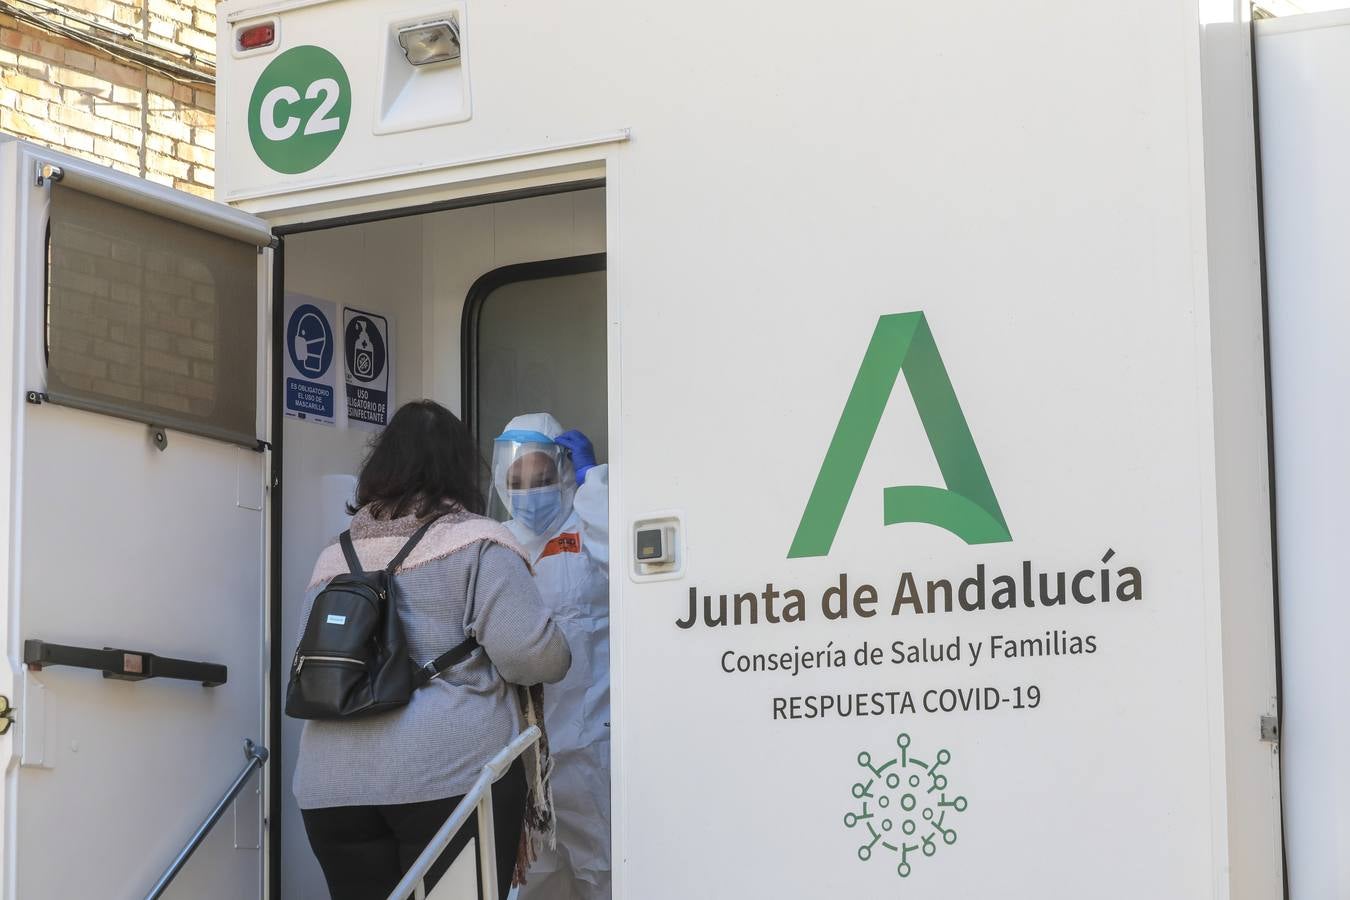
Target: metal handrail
477	800
256	756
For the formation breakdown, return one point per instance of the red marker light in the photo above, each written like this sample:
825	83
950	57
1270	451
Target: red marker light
255	36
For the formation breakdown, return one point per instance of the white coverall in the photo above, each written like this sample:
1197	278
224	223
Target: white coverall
571	564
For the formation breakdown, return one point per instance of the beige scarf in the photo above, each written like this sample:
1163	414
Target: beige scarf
377	541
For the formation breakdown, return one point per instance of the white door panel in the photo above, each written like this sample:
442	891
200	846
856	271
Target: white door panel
1302	69
127	546
117	543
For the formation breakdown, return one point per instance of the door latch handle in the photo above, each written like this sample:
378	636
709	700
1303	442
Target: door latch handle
7	713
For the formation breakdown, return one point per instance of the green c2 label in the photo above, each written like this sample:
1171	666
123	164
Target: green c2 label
299	109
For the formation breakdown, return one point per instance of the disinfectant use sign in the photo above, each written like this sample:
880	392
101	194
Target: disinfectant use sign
369	359
310	370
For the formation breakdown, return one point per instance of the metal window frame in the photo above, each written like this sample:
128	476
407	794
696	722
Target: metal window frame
480	292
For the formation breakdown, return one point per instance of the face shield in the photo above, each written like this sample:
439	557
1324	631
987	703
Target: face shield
534	478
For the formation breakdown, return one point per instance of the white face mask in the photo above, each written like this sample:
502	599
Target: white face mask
536	508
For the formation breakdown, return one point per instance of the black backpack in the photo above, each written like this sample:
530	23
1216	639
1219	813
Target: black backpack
353	656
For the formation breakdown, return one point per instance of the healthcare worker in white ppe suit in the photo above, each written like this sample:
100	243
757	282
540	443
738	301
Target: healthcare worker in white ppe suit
558	499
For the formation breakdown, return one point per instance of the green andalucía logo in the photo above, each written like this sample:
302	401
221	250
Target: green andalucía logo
966	507
902	806
299	109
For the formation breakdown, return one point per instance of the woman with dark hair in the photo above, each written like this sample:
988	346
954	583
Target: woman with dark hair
374	790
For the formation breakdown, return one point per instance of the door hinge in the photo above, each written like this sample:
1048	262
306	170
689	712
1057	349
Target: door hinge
48	174
37	398
1270	729
7	714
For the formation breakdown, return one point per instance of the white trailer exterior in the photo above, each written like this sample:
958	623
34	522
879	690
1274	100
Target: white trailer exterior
1043	216
1304	135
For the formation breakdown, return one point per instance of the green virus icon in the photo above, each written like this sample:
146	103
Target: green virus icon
904	806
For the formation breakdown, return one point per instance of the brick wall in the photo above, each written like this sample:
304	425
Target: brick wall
83	100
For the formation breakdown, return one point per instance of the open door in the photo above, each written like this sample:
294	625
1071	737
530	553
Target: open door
133	411
494	307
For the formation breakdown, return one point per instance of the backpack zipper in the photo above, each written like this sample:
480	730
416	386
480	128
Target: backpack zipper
346	660
361	588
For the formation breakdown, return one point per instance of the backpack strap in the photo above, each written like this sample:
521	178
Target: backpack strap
446	660
349	551
451	657
408	547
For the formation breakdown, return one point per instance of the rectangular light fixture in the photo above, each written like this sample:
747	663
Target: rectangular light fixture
251	37
430	42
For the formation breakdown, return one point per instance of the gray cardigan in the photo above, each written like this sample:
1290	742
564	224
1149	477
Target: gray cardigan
436	746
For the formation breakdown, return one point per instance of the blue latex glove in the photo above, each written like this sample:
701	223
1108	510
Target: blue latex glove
580	449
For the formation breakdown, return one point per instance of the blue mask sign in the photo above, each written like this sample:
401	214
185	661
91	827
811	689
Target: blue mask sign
310	376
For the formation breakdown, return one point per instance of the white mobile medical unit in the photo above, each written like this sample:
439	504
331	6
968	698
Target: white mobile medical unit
925	343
